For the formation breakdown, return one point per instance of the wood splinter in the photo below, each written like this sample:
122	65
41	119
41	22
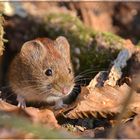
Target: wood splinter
119	63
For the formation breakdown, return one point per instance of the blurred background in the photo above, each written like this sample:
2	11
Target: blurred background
121	18
92	28
96	31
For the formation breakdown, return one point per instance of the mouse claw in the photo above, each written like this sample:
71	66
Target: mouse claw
21	102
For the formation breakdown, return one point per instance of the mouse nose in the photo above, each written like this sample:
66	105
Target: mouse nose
65	90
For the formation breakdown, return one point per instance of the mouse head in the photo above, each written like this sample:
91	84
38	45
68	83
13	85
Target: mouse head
47	67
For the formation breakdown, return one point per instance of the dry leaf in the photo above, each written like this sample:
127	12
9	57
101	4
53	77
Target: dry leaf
4	106
43	116
103	101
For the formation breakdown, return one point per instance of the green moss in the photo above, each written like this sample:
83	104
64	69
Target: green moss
69	26
111	40
69	23
24	125
97	49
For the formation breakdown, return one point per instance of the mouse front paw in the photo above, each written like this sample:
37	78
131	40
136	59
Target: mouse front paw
21	101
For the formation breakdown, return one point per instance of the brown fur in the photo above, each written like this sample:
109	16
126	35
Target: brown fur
27	71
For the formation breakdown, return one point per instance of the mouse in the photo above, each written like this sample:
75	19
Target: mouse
42	71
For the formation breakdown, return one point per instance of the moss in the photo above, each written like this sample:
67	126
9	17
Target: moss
69	23
97	49
112	41
23	125
69	26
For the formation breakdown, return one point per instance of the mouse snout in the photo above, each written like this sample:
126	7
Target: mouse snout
65	90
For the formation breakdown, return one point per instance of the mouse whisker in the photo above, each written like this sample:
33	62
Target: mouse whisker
92	69
78	81
31	86
88	71
81	78
28	81
26	87
75	90
85	74
76	87
43	93
84	77
6	96
36	87
4	87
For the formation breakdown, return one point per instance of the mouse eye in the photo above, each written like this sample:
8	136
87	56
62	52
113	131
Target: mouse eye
69	70
48	72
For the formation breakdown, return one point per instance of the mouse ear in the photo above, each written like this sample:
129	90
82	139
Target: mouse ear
63	47
32	49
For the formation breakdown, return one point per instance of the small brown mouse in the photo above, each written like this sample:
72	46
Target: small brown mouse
42	71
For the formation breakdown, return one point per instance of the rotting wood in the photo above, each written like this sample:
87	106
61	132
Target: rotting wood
119	63
104	101
98	80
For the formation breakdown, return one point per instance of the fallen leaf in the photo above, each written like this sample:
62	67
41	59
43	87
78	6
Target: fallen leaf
43	116
4	106
103	101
